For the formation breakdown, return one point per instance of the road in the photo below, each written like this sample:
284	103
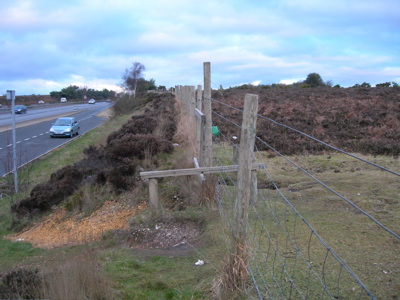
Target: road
32	133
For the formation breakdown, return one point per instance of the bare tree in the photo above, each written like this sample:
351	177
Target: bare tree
131	76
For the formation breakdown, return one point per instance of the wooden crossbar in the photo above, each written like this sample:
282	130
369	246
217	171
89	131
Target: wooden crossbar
196	171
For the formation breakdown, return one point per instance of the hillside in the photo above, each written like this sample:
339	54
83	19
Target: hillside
27	100
362	120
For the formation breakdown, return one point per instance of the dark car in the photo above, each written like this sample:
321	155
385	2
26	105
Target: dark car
20	109
67	126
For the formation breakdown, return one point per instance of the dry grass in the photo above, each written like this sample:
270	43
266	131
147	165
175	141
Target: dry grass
208	192
78	278
233	273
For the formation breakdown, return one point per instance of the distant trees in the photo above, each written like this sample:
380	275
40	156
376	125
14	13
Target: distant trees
363	85
133	80
388	84
131	77
314	80
76	92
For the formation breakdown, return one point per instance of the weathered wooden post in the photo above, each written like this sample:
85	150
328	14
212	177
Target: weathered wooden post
244	183
207	113
192	105
200	136
153	195
199	97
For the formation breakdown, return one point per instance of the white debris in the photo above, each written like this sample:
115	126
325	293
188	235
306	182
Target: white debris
157	227
199	262
358	194
19	240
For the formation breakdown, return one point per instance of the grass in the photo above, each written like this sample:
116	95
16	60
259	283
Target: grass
127	273
150	277
280	237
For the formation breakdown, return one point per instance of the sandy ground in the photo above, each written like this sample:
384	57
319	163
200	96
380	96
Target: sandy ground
59	230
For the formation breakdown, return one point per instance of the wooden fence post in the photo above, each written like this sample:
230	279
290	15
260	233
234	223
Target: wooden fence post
243	194
153	195
207	113
200	137
192	105
199	97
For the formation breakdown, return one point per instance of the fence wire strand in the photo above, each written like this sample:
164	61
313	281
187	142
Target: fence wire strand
281	264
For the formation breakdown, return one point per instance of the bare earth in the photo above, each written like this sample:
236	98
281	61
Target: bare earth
59	231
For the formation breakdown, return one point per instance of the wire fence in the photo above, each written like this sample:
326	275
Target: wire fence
308	240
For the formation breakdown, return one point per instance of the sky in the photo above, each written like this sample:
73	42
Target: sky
47	45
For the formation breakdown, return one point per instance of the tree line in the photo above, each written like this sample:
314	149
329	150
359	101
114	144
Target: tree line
132	81
315	80
76	92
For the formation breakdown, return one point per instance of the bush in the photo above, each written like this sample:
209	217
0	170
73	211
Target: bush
21	284
62	184
137	145
115	163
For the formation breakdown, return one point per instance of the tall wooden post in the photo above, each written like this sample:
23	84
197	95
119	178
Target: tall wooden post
246	152
207	113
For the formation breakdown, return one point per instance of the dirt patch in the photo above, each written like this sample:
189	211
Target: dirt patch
165	233
58	230
108	113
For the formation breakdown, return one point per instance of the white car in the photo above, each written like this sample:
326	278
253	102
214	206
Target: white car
92	101
63	100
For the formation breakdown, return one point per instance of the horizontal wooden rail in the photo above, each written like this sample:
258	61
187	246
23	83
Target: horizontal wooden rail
196	171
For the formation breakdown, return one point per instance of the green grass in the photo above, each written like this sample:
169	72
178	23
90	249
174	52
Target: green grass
157	277
274	227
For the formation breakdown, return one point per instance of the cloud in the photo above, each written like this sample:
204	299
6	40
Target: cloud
291	81
47	41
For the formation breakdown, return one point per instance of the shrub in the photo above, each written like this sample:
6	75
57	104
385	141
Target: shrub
115	163
22	284
62	184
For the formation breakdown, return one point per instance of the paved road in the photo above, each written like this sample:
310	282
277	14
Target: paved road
32	133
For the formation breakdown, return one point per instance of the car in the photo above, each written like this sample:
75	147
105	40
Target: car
20	109
108	100
63	100
40	101
92	101
65	127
